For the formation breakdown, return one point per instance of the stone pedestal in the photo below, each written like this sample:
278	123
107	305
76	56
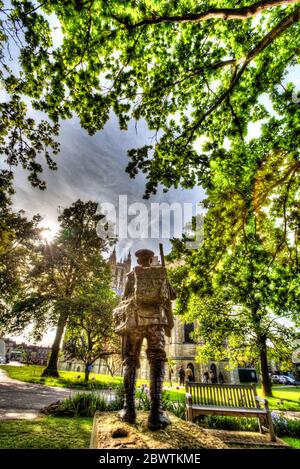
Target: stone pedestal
109	432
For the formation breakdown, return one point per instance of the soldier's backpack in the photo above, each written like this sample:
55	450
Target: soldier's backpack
151	286
125	316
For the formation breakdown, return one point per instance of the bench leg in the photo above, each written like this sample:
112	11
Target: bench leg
271	428
260	424
189	414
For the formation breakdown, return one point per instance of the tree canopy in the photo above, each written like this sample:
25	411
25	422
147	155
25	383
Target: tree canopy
18	237
90	332
197	72
242	283
55	278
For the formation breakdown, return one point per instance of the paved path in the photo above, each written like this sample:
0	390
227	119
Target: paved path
24	400
291	414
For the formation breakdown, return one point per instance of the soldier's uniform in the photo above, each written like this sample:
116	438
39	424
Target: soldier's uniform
152	321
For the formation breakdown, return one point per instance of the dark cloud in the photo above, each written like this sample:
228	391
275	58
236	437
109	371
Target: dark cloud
93	168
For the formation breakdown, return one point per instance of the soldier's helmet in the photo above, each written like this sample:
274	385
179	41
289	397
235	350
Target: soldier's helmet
144	253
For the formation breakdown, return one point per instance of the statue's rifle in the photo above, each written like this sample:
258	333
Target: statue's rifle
172	294
162	257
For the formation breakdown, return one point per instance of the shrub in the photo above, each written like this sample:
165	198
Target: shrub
80	405
85	404
286	427
282	425
143	398
118	401
228	423
176	407
143	402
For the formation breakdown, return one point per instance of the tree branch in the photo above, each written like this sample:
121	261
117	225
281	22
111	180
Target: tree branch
242	13
265	42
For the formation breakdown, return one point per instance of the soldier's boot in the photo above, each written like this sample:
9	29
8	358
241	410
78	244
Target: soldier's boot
128	412
157	418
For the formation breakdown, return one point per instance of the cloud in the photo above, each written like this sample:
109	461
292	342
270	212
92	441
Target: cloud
93	168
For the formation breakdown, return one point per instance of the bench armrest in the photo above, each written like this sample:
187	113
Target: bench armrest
262	401
189	399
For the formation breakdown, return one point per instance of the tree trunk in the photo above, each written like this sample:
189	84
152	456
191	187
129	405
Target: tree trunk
266	382
51	368
86	373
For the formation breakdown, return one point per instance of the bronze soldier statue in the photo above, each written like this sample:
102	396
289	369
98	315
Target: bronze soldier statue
145	311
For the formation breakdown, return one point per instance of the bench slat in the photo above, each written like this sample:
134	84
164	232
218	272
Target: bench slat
251	397
228	395
239	411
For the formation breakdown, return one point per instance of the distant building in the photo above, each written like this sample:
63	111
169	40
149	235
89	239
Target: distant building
181	350
25	353
119	271
34	354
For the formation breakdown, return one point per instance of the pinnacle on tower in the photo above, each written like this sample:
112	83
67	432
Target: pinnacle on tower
113	257
128	261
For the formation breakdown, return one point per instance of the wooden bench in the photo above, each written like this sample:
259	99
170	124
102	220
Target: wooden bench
235	400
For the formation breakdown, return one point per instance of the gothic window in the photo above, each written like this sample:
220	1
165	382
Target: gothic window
188	329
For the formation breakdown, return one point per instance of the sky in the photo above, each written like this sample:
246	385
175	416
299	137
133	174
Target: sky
93	168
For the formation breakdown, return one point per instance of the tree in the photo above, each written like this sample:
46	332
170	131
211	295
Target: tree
18	236
58	271
22	138
90	333
190	69
248	315
242	284
171	366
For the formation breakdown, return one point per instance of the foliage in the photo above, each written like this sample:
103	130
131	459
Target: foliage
191	70
58	274
18	236
86	404
119	395
23	139
228	423
177	407
242	283
143	398
79	405
46	432
90	332
283	426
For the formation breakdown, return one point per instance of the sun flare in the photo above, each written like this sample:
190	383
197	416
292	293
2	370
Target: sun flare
49	231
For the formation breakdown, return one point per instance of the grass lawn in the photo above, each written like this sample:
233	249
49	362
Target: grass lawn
290	396
46	432
32	374
67	379
293	442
